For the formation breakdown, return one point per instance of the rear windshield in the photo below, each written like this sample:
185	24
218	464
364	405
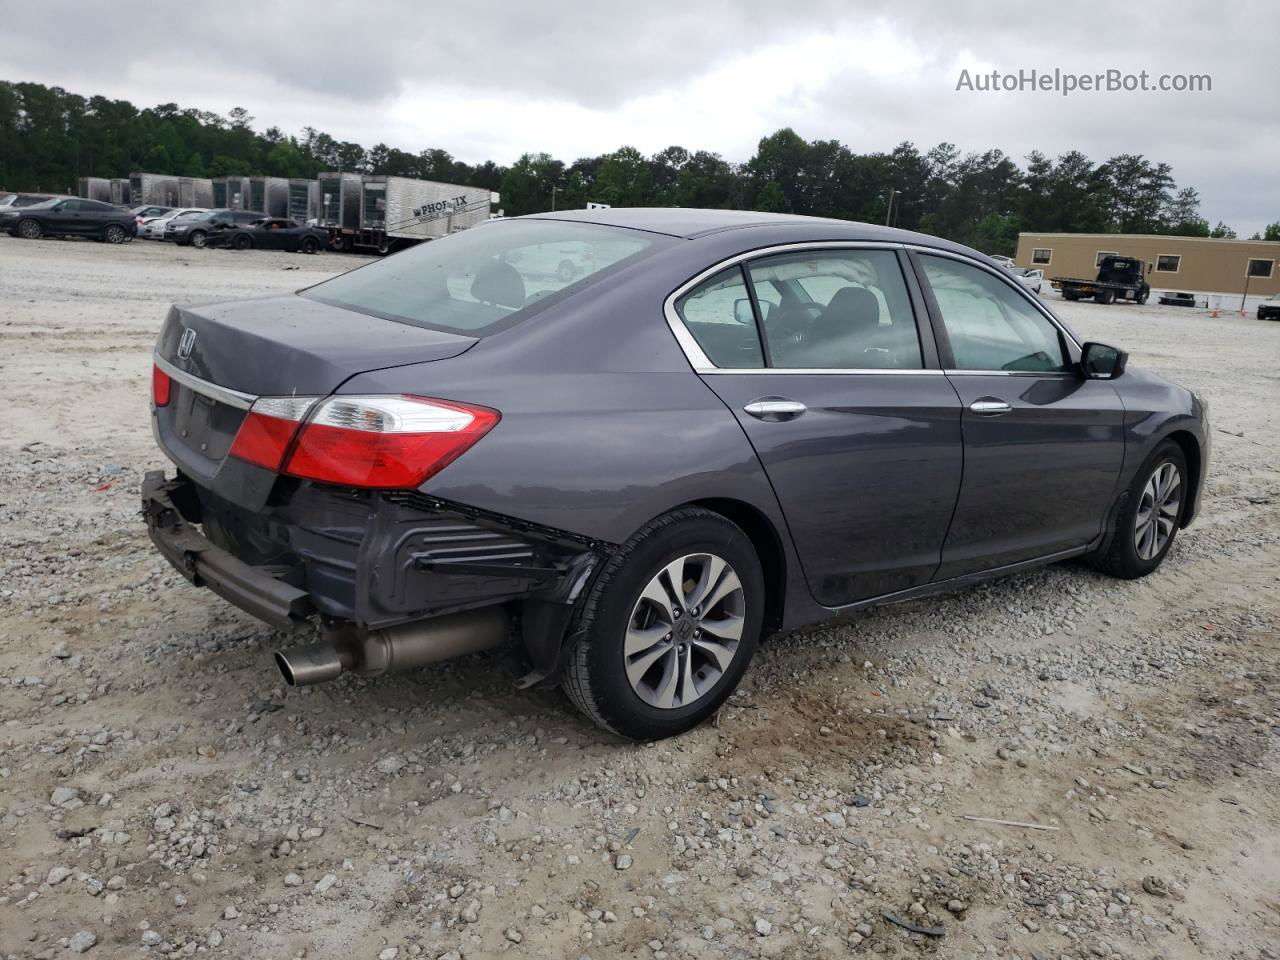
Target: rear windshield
489	277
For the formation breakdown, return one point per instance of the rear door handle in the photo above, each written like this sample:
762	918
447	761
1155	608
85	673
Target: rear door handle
775	409
989	407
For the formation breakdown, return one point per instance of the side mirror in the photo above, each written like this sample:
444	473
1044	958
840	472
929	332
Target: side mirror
1101	362
742	311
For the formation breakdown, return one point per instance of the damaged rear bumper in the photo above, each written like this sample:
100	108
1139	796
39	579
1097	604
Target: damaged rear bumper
255	589
374	560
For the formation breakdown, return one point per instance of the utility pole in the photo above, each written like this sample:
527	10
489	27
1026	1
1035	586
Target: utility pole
889	212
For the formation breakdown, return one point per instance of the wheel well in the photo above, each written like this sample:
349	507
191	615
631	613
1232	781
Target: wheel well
1195	463
768	548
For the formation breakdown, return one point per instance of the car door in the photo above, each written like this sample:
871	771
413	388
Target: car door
64	217
1043	445
818	354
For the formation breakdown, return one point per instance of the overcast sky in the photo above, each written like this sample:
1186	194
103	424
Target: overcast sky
489	80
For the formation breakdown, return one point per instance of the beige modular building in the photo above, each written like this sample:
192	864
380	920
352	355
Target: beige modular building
1191	264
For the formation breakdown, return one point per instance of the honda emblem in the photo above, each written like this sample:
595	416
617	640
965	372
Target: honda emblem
186	344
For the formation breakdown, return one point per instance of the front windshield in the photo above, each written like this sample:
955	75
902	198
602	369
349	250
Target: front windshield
488	277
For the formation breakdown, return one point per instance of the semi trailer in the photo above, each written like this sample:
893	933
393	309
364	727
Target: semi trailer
120	195
95	188
153	188
195	192
385	213
270	195
303	200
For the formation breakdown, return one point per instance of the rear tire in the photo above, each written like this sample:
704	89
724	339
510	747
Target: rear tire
241	242
1105	297
647	664
114	233
1070	296
1147	524
565	272
310	245
30	230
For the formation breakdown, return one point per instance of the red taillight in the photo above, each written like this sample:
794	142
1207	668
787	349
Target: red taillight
268	428
160	386
385	442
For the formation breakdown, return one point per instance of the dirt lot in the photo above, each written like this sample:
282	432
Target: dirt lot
162	794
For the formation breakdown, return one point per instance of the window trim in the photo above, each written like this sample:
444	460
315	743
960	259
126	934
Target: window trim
1041	263
1257	276
1175	256
702	364
1100	254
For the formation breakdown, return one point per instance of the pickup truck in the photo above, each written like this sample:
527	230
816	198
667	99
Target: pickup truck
1119	278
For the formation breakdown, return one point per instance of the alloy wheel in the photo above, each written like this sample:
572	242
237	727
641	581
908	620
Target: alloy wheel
684	631
197	240
1158	510
30	230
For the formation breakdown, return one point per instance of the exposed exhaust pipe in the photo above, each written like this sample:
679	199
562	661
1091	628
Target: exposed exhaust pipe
394	649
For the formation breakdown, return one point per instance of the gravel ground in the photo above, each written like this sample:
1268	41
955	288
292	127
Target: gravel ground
161	793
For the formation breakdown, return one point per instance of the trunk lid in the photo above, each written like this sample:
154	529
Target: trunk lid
280	346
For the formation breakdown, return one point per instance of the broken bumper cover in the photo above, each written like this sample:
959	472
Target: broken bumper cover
256	590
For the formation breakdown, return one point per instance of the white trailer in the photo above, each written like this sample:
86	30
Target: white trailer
269	196
230	193
195	192
339	204
120	191
153	189
399	211
95	188
303	200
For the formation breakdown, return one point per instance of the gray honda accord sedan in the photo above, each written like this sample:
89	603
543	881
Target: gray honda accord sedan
718	425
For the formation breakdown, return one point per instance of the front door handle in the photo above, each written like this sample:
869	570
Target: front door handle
989	407
774	409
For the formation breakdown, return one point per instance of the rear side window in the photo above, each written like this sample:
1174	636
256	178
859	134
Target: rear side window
489	277
837	309
718	314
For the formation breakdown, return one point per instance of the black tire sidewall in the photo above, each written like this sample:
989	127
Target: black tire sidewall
1127	546
610	603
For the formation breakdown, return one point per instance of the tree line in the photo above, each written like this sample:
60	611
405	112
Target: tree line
50	137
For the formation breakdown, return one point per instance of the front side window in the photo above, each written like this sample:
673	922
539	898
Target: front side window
484	279
990	325
718	314
836	309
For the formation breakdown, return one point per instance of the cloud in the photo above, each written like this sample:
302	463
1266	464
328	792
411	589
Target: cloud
491	80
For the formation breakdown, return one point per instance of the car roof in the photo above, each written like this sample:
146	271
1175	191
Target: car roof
691	223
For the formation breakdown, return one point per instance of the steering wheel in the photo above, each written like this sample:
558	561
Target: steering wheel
792	323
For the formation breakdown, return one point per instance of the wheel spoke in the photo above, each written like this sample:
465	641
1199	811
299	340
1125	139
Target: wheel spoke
665	691
725	628
641	639
672	578
712	568
722	654
687	691
656	594
637	668
729	585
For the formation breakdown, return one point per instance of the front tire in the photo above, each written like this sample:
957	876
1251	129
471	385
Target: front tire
241	242
668	627
197	239
1148	522
30	230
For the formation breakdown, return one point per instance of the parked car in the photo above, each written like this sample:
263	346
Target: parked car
1002	260
735	423
147	211
152	228
1033	280
194	231
1269	309
69	217
24	199
271	233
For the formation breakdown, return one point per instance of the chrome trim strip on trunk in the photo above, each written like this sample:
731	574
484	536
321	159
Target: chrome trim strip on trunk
232	398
